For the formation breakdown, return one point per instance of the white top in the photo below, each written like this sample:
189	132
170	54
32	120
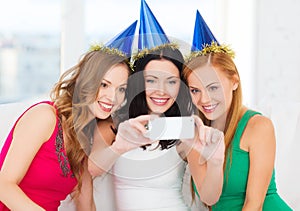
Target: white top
149	180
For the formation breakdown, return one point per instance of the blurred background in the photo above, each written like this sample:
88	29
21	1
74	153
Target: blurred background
40	39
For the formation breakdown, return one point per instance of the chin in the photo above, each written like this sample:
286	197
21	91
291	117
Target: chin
211	117
103	115
208	116
159	110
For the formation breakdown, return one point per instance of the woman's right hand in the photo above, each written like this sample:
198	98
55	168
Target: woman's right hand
208	141
130	134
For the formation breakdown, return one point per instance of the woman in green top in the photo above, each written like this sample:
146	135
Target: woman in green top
249	182
214	83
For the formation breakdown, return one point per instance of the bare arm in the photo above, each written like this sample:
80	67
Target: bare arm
105	153
259	138
85	200
102	157
206	159
25	144
207	177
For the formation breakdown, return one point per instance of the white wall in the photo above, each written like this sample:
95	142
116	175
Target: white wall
278	51
265	36
277	87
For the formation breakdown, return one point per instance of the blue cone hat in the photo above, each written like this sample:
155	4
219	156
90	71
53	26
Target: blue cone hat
202	34
151	33
124	40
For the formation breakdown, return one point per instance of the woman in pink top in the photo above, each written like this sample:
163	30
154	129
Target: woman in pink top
44	157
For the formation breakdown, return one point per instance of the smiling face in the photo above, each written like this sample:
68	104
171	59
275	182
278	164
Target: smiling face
162	83
211	91
111	93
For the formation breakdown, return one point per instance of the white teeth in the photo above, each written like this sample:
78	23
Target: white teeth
106	106
159	101
209	107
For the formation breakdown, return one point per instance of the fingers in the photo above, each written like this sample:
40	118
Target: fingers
198	121
216	136
129	136
136	126
131	132
215	147
207	135
143	118
202	134
210	142
140	122
200	128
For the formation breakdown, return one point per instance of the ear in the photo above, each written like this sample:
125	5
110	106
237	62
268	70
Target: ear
235	85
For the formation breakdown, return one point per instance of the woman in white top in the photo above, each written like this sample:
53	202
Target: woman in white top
148	174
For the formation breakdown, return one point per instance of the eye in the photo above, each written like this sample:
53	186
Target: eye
151	81
172	82
194	91
122	89
213	88
103	85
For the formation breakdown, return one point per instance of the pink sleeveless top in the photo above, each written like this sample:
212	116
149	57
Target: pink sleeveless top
49	178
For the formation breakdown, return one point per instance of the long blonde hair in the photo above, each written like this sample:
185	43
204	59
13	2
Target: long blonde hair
76	89
223	62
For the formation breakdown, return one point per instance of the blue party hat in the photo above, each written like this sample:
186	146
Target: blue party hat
202	34
204	42
121	44
151	33
123	41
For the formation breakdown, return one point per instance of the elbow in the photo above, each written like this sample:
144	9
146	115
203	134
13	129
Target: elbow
94	170
209	201
210	197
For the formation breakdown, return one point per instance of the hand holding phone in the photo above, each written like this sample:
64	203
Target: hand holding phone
209	142
168	128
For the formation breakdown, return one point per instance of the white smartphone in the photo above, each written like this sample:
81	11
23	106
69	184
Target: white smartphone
166	128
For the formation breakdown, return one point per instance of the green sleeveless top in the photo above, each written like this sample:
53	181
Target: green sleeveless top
236	177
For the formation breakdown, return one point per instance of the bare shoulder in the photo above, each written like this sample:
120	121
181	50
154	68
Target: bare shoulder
259	123
259	130
41	117
42	111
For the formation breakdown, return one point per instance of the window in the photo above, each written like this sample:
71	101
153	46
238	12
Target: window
29	48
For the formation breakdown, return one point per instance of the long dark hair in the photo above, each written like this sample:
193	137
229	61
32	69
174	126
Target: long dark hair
136	97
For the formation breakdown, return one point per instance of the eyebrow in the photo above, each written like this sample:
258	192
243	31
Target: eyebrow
193	87
212	84
157	77
124	84
106	81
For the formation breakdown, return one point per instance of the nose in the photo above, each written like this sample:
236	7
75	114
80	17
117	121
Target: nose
205	98
110	93
161	89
